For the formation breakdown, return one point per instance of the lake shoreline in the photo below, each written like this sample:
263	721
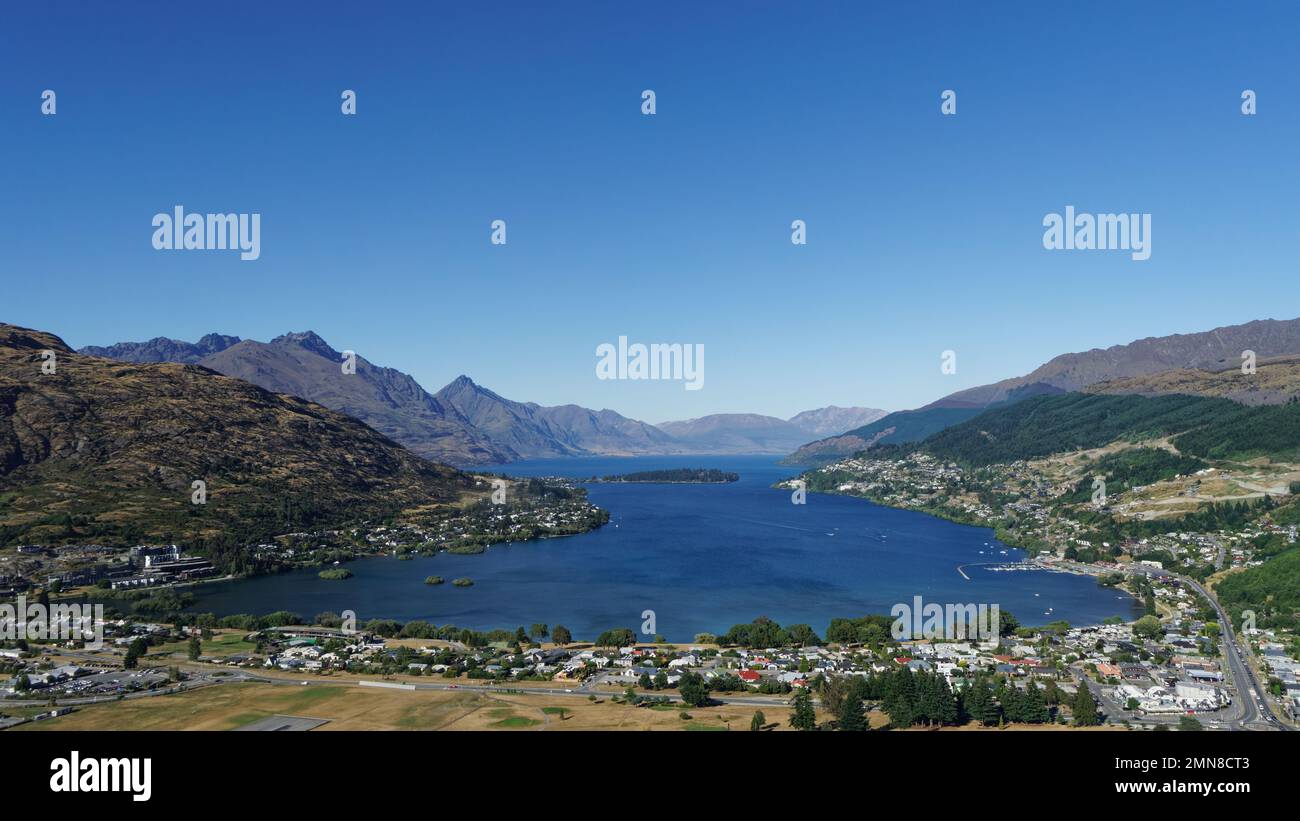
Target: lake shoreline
700	560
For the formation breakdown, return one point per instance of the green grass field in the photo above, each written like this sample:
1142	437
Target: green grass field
220	645
515	723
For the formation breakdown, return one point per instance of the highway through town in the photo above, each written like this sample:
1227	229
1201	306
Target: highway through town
1250	710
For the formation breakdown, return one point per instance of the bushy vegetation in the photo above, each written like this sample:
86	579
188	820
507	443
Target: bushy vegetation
619	637
1272	590
869	630
1209	518
1134	467
763	632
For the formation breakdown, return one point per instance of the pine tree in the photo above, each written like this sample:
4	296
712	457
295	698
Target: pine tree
898	697
1052	694
1085	707
852	716
978	703
1033	708
134	651
945	710
804	716
1009	698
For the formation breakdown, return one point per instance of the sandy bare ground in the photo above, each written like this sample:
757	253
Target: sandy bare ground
227	706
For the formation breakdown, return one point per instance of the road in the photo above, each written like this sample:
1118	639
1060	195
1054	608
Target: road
203	676
1251	707
1256	715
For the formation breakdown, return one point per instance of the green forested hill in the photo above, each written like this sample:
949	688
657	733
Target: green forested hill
1272	430
1272	590
895	428
1201	426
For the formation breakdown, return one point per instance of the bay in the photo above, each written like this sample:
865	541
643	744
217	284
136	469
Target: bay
700	557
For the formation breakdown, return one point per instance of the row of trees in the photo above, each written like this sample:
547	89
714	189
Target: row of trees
763	632
924	698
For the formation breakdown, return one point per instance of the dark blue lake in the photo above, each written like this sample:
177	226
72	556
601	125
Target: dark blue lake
702	557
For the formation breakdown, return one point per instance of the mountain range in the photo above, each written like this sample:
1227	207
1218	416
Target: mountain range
466	424
161	349
737	433
1169	364
527	430
304	365
1275	381
833	419
107	450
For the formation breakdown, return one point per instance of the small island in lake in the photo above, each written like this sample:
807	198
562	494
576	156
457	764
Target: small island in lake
335	574
463	582
433	580
694	476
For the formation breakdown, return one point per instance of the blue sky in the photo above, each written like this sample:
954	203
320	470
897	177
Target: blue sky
924	231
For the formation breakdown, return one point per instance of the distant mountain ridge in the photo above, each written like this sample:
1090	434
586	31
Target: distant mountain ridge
305	365
753	433
463	424
833	419
466	424
1216	349
736	433
162	349
532	431
1274	382
1205	350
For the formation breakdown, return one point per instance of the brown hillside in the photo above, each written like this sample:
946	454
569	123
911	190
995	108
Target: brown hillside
106	451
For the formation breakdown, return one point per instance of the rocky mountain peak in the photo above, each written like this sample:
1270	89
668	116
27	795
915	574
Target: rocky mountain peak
311	341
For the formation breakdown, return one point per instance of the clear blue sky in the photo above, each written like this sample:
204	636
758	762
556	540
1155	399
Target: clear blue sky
924	230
